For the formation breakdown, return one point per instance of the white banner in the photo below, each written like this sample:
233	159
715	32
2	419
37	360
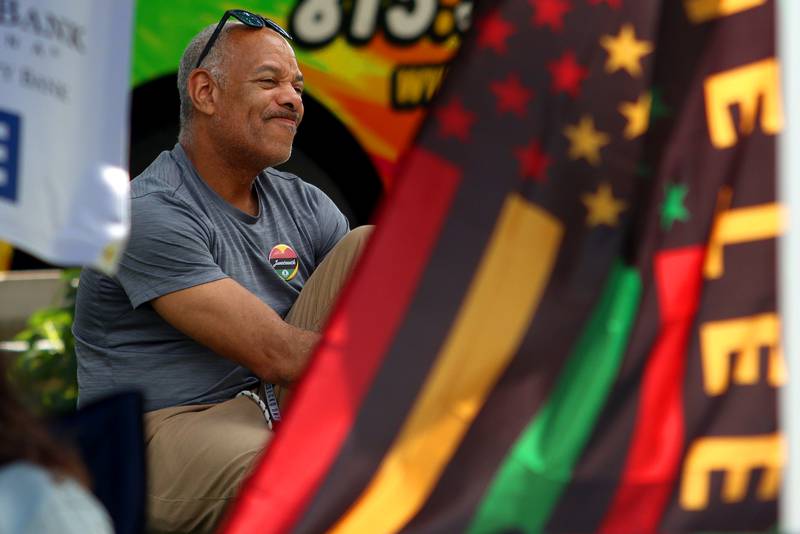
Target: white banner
787	14
64	86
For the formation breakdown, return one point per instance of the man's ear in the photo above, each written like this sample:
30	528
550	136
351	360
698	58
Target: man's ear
203	91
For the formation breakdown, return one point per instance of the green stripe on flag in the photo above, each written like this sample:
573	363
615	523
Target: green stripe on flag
530	481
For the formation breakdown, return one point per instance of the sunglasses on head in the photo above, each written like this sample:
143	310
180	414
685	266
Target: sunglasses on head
248	19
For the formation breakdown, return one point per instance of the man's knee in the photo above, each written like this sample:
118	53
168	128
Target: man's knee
361	232
357	237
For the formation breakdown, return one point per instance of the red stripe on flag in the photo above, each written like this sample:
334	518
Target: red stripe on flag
654	457
366	318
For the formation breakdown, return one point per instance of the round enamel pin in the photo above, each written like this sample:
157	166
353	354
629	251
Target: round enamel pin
284	260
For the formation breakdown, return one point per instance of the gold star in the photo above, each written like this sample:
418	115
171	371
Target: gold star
638	115
624	51
602	207
584	141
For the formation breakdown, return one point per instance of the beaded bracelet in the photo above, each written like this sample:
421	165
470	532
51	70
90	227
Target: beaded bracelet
255	398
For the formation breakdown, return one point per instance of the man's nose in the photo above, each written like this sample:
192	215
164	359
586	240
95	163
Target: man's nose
290	98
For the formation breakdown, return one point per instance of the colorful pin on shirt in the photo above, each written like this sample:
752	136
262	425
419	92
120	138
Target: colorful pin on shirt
284	260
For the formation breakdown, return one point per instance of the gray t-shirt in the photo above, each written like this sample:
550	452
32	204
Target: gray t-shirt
183	234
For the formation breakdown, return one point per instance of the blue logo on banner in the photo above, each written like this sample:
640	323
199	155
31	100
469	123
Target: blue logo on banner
9	155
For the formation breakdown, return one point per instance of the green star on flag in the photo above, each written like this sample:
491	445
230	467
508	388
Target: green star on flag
658	108
674	208
644	170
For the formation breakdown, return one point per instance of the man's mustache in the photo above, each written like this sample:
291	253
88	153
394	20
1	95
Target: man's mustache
293	116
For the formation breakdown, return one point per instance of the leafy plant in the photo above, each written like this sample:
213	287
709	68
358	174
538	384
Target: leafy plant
45	375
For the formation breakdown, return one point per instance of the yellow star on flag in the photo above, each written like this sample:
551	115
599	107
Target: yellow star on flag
638	115
625	51
585	141
602	207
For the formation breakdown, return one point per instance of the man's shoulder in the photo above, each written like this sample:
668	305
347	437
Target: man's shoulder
163	175
273	173
286	183
307	202
281	179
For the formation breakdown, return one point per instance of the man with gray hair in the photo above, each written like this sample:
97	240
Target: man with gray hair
215	301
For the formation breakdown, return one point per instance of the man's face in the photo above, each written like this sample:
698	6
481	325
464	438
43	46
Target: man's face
260	103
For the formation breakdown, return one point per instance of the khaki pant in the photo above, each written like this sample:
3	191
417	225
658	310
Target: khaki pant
199	455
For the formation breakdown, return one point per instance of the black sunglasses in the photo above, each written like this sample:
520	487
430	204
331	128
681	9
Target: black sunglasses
245	17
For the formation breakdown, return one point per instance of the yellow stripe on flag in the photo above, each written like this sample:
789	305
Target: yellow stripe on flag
498	308
6	252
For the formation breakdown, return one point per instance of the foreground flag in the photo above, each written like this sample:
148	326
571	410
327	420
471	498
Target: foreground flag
64	70
565	321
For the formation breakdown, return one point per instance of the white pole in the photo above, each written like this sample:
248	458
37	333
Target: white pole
788	42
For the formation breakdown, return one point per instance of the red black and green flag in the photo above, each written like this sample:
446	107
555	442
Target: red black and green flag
566	319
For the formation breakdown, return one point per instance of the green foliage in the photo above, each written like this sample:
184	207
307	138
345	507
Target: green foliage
45	375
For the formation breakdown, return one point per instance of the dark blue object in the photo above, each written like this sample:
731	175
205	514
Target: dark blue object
109	436
9	154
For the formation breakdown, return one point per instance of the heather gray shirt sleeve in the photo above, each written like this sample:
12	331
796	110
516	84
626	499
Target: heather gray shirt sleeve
331	224
169	249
